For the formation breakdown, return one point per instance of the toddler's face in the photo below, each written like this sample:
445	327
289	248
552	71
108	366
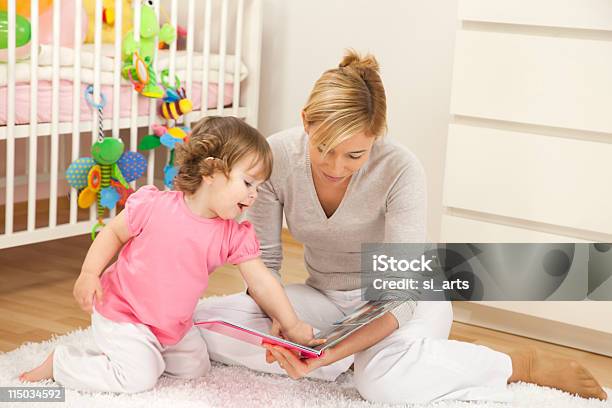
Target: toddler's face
230	197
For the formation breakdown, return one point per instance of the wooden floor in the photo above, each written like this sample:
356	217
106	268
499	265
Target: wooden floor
36	299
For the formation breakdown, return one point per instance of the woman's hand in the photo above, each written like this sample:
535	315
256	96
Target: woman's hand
85	288
294	366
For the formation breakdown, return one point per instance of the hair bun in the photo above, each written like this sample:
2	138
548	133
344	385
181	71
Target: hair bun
354	60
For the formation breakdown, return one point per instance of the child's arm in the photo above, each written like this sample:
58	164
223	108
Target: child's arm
101	252
271	297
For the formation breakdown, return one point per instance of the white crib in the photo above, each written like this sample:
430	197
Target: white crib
219	53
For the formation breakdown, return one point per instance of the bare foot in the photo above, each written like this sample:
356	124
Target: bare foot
533	367
42	372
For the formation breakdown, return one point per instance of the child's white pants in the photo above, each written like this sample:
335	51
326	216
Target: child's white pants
415	364
128	358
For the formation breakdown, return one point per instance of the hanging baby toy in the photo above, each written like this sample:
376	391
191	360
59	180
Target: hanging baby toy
104	177
138	55
174	106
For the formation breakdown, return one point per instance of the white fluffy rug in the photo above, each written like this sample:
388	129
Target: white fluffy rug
240	387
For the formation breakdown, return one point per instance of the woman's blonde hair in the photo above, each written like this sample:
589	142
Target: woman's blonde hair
347	100
216	144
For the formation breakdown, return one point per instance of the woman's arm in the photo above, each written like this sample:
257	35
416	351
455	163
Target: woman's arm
406	221
406	205
266	215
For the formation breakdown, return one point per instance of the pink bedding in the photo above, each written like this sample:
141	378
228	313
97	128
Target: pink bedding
22	101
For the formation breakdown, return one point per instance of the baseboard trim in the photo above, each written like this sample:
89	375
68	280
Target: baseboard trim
533	327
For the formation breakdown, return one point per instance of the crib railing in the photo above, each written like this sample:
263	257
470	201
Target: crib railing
44	208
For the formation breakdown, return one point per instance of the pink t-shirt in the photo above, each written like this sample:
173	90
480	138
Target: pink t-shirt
162	271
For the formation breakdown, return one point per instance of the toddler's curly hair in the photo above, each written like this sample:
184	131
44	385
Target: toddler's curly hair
224	141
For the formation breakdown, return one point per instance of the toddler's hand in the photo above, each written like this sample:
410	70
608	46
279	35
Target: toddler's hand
86	287
301	333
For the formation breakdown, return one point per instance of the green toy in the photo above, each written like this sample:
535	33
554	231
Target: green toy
138	55
22	30
103	178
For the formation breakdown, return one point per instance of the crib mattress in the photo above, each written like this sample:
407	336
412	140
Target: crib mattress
44	99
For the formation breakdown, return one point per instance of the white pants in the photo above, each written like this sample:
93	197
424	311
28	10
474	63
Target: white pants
414	364
128	358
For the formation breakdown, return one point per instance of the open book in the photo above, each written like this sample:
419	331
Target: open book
337	332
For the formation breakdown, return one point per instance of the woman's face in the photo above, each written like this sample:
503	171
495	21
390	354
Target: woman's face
339	164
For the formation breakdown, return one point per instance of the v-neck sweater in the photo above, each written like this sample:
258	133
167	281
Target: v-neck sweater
385	201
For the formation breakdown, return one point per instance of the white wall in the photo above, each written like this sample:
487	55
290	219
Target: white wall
413	41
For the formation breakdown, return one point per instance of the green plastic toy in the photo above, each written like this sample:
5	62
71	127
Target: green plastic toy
22	30
103	178
138	55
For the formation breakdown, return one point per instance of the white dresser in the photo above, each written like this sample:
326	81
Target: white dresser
529	151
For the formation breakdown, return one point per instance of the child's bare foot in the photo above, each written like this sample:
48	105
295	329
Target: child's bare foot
42	372
567	375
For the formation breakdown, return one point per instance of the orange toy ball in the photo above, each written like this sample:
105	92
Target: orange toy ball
23	6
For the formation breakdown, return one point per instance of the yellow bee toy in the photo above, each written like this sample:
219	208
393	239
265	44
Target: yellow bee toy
175	103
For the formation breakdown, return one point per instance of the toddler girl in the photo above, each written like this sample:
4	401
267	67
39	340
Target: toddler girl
170	242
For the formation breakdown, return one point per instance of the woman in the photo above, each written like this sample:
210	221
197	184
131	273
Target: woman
340	183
